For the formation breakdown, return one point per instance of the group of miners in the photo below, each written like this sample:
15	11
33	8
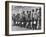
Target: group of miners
28	20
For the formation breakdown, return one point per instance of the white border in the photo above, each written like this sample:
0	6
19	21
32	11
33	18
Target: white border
29	31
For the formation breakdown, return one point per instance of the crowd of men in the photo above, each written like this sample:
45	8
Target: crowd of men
30	20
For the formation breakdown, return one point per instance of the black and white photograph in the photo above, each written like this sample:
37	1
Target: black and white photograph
25	18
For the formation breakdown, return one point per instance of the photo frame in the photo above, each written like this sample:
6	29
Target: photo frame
24	18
